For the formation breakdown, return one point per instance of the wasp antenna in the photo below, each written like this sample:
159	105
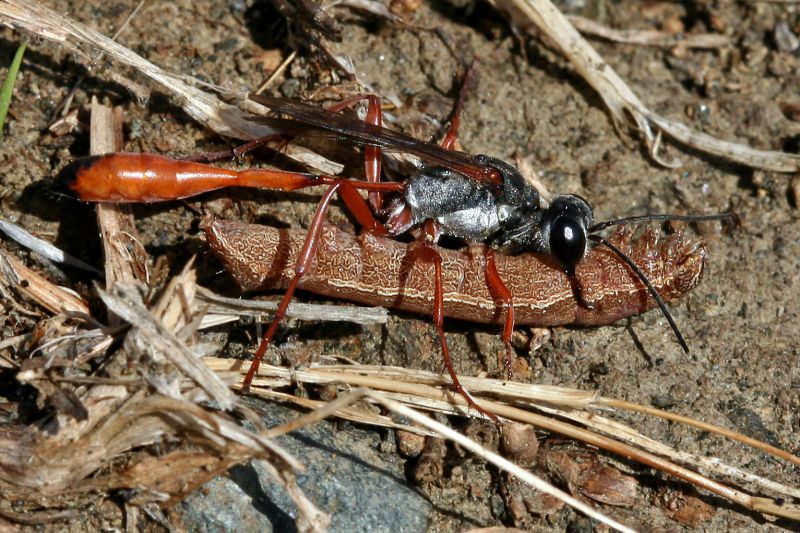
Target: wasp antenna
650	288
649	218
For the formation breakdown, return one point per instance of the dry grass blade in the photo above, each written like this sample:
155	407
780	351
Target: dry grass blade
178	301
36	519
705	426
622	102
517	401
354	414
324	411
415	381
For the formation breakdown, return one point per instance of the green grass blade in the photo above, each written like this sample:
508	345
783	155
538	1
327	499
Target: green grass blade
8	85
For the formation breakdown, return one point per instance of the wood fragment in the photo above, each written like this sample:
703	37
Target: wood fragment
519	444
33	285
40	517
125	260
608	485
429	468
684	506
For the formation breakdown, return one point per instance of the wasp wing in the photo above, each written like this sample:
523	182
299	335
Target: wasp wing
307	118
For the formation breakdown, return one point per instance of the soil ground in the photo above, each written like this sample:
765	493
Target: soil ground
741	322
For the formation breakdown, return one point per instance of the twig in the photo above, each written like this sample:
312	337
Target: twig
117	227
221	309
40	517
705	426
649	37
277	72
361	416
42	247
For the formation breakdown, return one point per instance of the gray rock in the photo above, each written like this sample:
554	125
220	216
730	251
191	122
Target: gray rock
347	477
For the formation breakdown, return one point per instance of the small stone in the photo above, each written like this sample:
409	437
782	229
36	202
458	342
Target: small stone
484	433
430	466
791	111
404	7
409	444
519	443
794	190
785	40
673	25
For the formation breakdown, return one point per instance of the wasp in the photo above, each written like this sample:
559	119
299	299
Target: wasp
477	199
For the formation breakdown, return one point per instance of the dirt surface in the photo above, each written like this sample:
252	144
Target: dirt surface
741	322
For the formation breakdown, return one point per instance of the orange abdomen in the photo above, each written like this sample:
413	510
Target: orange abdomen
129	177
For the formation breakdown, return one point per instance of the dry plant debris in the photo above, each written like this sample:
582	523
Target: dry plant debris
154	390
571	413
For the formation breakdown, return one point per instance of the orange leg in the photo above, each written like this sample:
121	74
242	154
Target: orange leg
449	140
501	292
493	279
302	265
425	251
348	191
373	156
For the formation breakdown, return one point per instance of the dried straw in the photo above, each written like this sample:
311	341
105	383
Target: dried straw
572	413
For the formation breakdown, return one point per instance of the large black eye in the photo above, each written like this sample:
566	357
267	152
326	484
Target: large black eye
567	240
